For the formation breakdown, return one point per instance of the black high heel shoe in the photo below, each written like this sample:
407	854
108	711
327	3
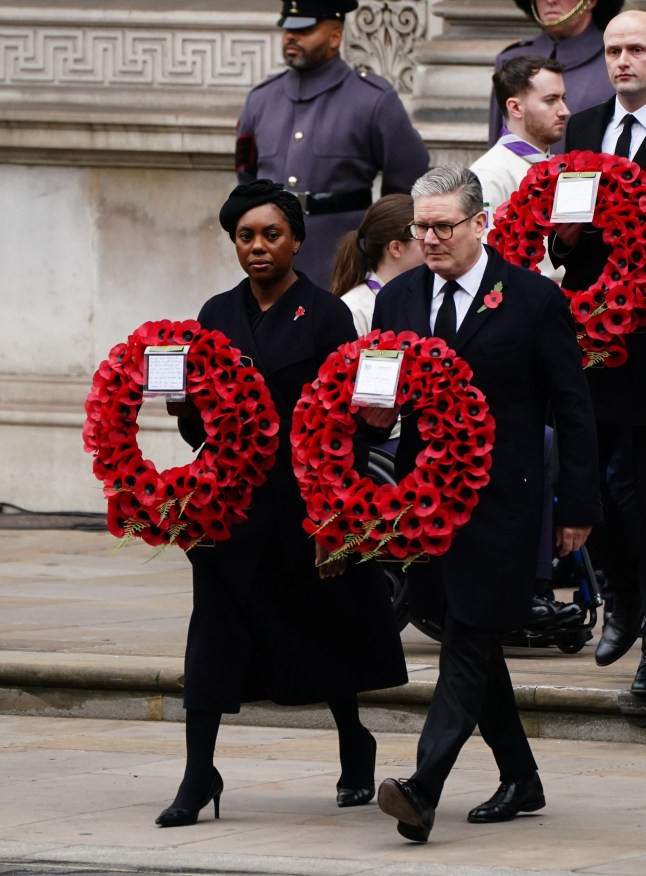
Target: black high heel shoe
179	817
359	796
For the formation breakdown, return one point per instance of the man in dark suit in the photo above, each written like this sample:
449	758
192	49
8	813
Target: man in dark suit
617	126
522	349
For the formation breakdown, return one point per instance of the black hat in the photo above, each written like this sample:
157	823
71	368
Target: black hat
601	14
299	14
261	191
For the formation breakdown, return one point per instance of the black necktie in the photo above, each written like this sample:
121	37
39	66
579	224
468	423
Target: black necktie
623	143
446	320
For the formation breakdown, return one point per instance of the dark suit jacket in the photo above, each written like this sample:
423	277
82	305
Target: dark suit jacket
523	355
617	393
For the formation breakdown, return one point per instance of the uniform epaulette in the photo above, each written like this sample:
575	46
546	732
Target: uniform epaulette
372	79
519	45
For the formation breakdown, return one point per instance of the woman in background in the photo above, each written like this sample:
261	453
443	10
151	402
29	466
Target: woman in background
379	250
366	259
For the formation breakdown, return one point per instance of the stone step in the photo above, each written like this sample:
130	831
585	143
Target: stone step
135	688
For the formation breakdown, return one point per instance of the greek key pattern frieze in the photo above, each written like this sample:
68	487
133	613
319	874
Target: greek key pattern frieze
137	57
382	37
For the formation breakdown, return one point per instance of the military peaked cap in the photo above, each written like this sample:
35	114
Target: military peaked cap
601	14
299	14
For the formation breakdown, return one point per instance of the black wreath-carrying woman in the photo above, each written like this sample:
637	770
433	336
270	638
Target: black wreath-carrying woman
268	621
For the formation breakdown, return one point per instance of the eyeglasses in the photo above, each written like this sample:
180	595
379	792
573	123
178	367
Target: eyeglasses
443	231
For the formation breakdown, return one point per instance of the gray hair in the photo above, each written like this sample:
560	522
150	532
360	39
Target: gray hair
448	179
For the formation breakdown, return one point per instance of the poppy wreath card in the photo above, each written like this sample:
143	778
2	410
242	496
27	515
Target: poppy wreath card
205	498
615	304
419	516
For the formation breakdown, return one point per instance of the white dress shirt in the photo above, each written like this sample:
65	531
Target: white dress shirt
615	127
463	297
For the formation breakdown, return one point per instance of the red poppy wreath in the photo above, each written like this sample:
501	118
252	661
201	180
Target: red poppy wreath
615	305
200	500
420	515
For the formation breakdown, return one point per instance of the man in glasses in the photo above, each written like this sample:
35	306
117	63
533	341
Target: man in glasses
521	346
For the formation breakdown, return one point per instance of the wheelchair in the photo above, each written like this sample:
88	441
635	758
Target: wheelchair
575	570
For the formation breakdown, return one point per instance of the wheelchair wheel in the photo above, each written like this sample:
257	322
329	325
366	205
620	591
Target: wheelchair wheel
572	643
398	587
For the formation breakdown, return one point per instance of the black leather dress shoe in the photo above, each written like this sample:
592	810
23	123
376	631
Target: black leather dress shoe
354	796
639	684
404	801
548	612
542	614
619	634
523	795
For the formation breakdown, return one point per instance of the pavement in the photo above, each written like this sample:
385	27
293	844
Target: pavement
91	748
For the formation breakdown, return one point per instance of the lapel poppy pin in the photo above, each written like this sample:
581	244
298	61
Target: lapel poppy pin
300	311
493	299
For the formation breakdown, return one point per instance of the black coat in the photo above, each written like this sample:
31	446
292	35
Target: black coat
264	625
617	393
524	355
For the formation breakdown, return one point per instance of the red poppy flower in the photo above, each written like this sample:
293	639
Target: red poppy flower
427	500
335	442
618	320
582	305
617	355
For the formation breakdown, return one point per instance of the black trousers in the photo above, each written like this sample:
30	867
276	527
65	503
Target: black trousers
622	462
473	689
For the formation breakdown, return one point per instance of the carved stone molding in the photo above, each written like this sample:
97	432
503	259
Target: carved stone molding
109	57
382	35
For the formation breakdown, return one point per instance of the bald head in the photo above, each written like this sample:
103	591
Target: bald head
625	45
631	20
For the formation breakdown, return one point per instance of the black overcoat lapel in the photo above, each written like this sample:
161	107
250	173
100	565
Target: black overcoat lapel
586	129
478	313
640	155
418	303
283	337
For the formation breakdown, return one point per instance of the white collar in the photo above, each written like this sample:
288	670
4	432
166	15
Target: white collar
621	112
470	281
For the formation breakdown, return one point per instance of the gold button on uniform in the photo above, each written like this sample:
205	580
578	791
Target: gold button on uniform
292	180
298	135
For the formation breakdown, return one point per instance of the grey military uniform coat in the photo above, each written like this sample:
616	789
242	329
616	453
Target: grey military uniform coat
328	130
